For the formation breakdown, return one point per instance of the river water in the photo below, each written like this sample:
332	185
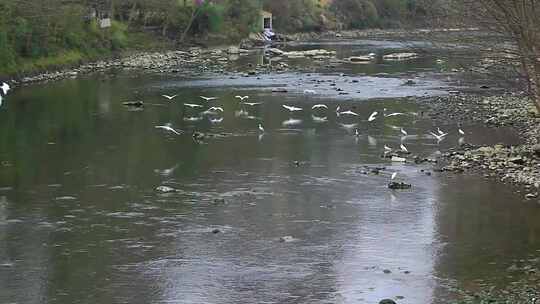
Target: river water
299	219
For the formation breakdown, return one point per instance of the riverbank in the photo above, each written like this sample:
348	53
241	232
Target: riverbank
518	165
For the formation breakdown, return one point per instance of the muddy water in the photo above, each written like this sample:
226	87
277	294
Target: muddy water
298	218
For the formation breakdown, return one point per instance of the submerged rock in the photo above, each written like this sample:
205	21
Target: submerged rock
165	189
286	239
399	186
387	301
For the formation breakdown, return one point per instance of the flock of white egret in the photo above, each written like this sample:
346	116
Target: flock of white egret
319	114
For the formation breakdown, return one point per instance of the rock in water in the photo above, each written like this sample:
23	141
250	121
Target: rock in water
286	239
399	186
387	301
137	103
165	189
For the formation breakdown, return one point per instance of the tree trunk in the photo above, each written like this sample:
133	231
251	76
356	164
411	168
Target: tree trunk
188	27
535	83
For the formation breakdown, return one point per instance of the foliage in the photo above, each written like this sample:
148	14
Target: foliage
37	30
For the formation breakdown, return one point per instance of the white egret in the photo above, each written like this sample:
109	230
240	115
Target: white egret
310	92
241	97
403	148
394	114
438	137
387	148
261	128
5	88
373	116
169	97
216	120
403	132
349	112
192	105
441	132
170	129
319	106
292	108
461	132
356	133
393	176
208	98
215	109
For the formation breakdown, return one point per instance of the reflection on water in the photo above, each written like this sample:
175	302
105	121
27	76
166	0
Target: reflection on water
80	220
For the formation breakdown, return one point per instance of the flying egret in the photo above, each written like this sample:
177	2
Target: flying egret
394	114
216	120
438	137
208	98
349	112
373	116
403	148
251	104
403	132
292	108
5	88
170	97
241	97
193	118
215	109
192	105
170	129
261	128
319	106
461	132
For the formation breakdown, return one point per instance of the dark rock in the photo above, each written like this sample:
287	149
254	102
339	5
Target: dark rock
219	201
399	186
216	231
387	301
137	103
387	271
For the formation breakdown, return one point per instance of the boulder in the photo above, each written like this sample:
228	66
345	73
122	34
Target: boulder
233	50
400	56
165	189
399	186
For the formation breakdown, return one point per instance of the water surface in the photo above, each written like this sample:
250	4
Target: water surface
81	222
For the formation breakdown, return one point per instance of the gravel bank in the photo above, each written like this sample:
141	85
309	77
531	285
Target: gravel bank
519	164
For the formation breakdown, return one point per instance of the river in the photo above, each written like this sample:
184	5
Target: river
291	215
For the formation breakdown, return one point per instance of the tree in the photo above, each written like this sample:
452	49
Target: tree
519	21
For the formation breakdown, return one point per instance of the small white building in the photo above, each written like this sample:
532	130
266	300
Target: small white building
266	21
